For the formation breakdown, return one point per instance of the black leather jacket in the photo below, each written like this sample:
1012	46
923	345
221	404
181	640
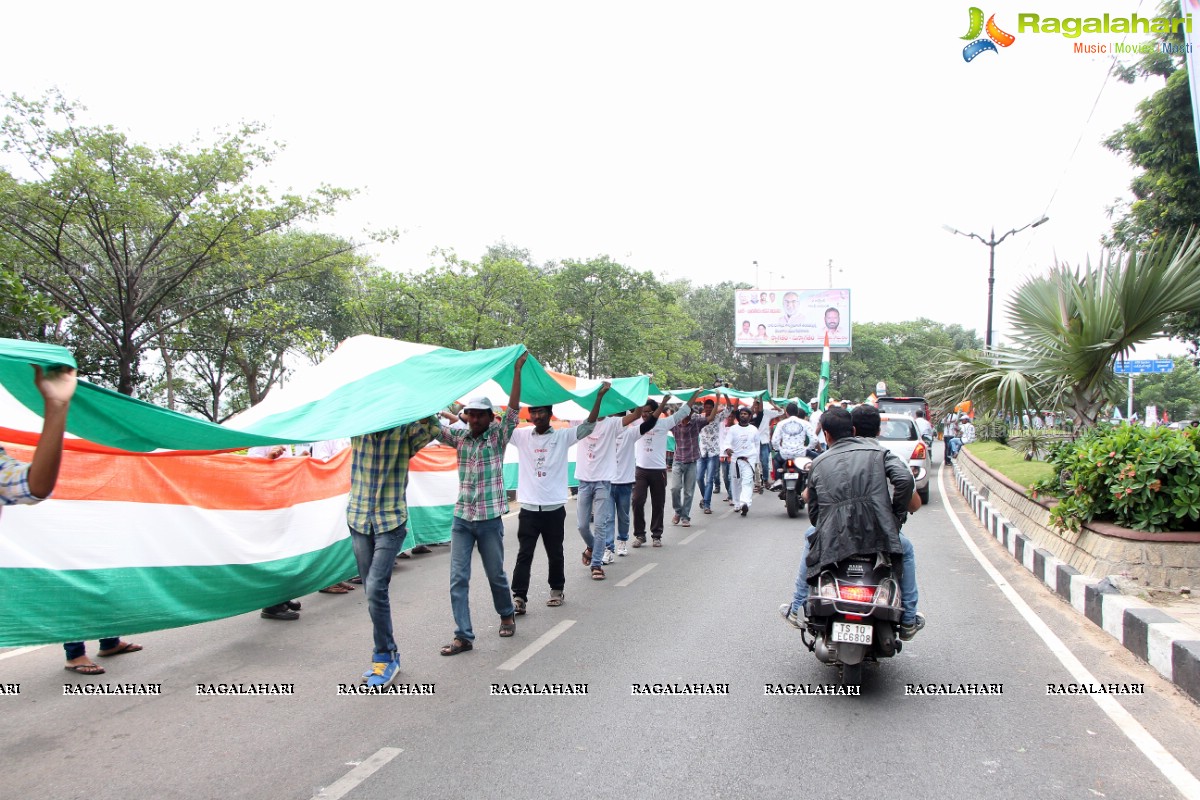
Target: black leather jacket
849	505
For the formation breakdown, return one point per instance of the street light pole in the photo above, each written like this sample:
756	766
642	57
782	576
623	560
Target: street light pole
991	244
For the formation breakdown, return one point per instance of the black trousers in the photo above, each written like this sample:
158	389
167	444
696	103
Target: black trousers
654	483
548	525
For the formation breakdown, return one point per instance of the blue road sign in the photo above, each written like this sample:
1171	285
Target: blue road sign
1144	366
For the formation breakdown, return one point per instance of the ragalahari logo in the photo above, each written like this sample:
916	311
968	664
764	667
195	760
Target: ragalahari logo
995	36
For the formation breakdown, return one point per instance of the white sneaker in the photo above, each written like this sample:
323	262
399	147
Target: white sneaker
622	548
608	557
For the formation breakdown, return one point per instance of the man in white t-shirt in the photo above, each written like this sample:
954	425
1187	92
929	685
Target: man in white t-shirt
651	473
924	429
542	494
596	469
742	449
621	492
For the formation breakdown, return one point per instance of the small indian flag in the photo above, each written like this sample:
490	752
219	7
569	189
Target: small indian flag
823	391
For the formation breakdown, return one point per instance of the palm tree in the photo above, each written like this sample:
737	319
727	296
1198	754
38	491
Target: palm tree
1072	324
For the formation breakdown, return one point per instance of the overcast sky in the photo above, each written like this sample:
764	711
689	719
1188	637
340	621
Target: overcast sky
690	139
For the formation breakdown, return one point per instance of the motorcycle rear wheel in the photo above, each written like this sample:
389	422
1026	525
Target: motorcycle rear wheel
793	504
852	674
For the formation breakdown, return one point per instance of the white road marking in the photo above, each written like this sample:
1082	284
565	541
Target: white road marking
637	574
1167	764
354	777
21	651
695	533
532	650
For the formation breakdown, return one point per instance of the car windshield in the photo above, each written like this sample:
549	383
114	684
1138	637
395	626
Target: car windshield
909	407
898	430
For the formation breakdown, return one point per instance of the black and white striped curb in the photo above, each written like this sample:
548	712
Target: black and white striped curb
1151	634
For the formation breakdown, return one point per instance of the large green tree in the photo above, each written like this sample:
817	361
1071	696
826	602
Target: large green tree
129	240
1160	141
1176	392
226	358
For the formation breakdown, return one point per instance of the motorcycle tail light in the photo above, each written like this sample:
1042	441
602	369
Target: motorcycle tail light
883	594
918	452
791	465
859	594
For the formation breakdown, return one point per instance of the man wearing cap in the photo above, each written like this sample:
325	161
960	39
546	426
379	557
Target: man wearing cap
542	494
482	501
377	514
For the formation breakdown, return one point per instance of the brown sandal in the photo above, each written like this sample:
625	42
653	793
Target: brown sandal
456	647
85	669
508	629
597	573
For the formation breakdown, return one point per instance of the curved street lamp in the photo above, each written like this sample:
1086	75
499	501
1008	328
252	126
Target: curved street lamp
991	244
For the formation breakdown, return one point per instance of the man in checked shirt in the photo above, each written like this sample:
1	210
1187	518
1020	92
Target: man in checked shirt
377	515
482	501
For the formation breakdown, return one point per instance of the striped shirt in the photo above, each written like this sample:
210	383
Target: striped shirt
379	475
481	492
14	482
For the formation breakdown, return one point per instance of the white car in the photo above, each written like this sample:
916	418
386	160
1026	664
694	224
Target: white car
898	433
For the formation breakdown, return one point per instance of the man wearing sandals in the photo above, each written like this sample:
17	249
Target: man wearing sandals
542	494
482	501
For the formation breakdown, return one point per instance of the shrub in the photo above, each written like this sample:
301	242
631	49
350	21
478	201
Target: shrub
1034	443
991	428
1147	479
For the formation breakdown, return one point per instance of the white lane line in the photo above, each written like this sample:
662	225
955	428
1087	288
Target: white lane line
638	574
532	650
20	651
693	536
1167	764
354	777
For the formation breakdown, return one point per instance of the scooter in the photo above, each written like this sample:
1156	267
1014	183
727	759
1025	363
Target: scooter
795	478
854	615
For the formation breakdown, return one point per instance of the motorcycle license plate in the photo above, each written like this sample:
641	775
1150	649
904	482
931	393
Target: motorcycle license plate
792	476
854	634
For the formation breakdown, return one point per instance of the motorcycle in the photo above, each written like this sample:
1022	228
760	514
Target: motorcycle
854	615
795	477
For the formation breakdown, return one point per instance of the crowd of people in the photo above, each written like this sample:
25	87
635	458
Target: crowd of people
621	463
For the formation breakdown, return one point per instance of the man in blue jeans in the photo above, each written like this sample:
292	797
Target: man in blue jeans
377	514
482	501
866	424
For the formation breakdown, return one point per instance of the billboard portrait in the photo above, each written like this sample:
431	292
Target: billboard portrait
779	321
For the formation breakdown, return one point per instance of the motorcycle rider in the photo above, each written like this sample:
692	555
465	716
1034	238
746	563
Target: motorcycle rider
854	477
791	439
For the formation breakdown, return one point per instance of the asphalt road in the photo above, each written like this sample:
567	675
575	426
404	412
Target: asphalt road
702	609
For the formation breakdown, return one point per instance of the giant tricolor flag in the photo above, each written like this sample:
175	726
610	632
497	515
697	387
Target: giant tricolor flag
134	541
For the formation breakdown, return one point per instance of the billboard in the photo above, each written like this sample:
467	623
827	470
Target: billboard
791	320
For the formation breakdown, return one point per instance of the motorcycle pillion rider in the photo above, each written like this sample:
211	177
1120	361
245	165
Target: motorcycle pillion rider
791	438
851	512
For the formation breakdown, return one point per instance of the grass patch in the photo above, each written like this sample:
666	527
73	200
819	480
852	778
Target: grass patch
1010	463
